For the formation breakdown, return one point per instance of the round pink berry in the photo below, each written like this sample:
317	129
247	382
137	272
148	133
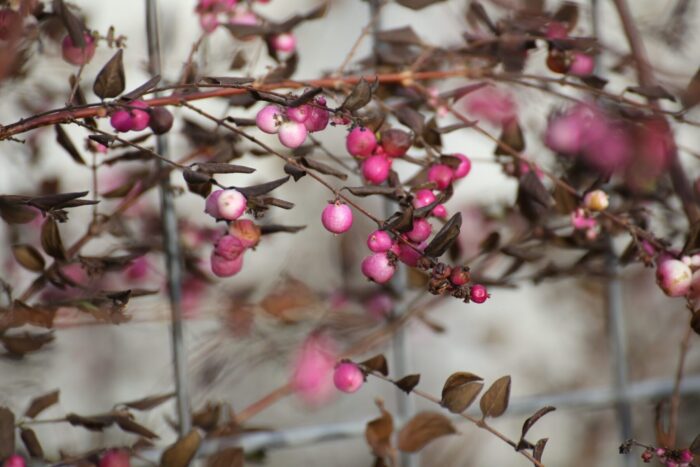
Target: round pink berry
460	276
410	254
556	30
244	18
348	377
299	114
229	247
318	117
582	64
121	121
423	198
464	167
686	456
441	175
674	277
139	118
565	134
396	142
378	268
440	211
211	205
337	217
313	368
138	269
292	134
76	55
361	142
375	169
478	293
379	241
231	204
269	119
421	230
208	22
115	458
224	267
15	460
285	42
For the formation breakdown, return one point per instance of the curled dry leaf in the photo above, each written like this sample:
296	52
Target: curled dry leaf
41	403
377	363
378	433
422	429
21	344
460	390
31	442
7	432
150	402
28	257
695	445
230	457
359	97
181	453
539	449
494	402
66	143
408	382
445	237
51	240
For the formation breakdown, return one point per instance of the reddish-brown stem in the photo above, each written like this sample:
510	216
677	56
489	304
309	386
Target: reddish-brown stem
263	403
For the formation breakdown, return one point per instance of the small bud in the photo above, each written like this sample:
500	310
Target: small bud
596	200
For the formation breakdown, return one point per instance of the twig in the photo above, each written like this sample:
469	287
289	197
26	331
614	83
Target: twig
676	396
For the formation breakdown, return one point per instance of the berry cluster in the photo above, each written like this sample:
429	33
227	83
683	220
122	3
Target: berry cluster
561	60
583	218
293	124
137	115
669	457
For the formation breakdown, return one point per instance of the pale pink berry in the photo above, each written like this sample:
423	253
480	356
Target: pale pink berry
139	118
596	200
115	458
490	103
121	121
211	205
460	276
673	277
299	114
441	175
379	241
348	377
378	268
318	117
285	42
582	64
423	198
478	293
581	221
396	142
440	211
380	305
246	231
77	55
464	167
244	18
229	247
312	376
231	204
224	267
375	169
269	119
361	142
15	460
292	134
421	230
566	134
208	22
660	453
337	217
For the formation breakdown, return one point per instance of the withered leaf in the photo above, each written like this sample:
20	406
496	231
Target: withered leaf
526	254
208	418
359	97
242	31
20	344
417	4
194	177
181	453
110	81
323	168
143	89
691	96
41	403
564	201
57	201
305	97
411	118
7	433
490	243
28	257
529	423
31	442
280	203
402	220
512	136
294	170
404	35
227	80
495	400
73	25
652	92
539	449
275	228
363	191
408	382
21	314
263	188
460	390
594	81
229	457
445	236
223	168
66	143
92	422
14	211
150	402
533	198
377	363
695	445
378	433
127	424
422	429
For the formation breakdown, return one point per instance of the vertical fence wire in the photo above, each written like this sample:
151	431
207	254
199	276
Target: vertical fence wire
171	245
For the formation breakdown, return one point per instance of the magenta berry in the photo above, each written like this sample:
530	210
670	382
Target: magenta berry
231	204
318	117
441	175
292	134
348	377
15	460
337	217
361	142
582	64
115	458
409	254
313	368
378	268
674	277
299	114
285	42
396	142
224	267
423	198
379	241
460	276
121	121
421	230
77	55
375	169
478	293
685	456
464	167
269	119
440	211
139	118
211	205
229	247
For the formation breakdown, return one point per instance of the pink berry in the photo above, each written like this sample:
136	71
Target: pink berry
423	198
441	175
379	241
348	377
380	305
337	217
318	117
565	134
121	121
478	293
229	247
231	204
313	368
582	64
299	114
556	30
138	269
410	254
292	134
378	268
285	42
421	230
686	456
115	458
269	119
246	231
15	460
361	142
464	167
440	211
211	206
223	267
396	142
674	277
460	276
244	18
139	118
76	55
375	169
208	22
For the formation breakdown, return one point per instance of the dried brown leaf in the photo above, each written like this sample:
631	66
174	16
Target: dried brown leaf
28	257
181	453
66	143
110	81
377	363
422	429
41	403
150	402
495	400
408	382
7	433
460	390
31	442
